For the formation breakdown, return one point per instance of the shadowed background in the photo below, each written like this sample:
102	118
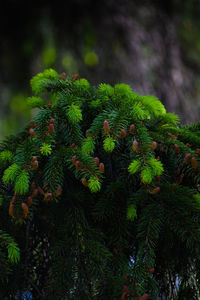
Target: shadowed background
152	45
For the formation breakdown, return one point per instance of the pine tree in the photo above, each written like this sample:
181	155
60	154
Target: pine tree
99	197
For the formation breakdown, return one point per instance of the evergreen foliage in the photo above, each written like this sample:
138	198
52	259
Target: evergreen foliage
99	197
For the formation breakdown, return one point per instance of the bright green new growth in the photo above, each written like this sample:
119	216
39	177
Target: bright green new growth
74	114
139	111
11	173
147	174
109	144
171	119
13	253
45	149
134	166
22	183
156	166
41	80
12	248
82	83
153	105
105	89
197	199
88	145
94	185
6	156
123	90
131	212
35	102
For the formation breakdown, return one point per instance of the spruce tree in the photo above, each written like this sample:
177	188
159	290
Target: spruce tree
99	197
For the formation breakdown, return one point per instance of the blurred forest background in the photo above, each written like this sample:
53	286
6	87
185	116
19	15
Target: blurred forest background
152	45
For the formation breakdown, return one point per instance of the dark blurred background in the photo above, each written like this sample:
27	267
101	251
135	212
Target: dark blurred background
152	45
